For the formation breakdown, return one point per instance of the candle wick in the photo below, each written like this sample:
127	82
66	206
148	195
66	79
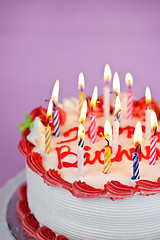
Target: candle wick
114	92
155	131
139	146
129	86
46	100
117	115
92	109
49	120
54	105
81	89
107	142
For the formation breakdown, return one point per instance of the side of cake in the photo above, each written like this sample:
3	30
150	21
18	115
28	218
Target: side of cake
84	208
85	182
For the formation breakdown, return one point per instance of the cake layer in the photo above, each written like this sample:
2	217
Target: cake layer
132	218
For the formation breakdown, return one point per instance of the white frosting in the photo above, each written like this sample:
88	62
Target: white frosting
121	171
37	135
134	218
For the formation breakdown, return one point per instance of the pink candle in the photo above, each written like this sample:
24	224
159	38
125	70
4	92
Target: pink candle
129	82
93	132
129	104
153	146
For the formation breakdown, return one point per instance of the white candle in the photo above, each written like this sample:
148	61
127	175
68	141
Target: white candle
148	124
115	137
116	125
80	151
106	91
148	114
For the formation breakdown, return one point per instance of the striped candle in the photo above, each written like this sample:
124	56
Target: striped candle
129	83
93	131
135	159
47	139
81	94
81	101
115	137
153	146
107	160
129	104
56	122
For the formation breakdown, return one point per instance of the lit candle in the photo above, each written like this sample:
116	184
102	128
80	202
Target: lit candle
116	84
48	128
80	151
106	90
148	114
153	143
81	87
93	131
135	156
81	133
83	112
107	153
56	124
129	83
116	126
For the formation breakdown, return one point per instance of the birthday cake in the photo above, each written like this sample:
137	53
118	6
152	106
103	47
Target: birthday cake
71	194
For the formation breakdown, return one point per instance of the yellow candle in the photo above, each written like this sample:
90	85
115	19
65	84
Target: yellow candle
48	128
81	100
47	139
81	94
107	152
107	160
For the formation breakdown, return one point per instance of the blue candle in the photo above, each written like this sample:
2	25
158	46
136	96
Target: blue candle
135	158
56	122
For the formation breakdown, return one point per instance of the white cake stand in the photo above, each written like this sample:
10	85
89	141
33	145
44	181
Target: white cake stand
6	193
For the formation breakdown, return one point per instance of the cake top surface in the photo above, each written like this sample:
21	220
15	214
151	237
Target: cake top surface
63	158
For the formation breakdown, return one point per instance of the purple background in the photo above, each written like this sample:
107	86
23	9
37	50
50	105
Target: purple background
41	41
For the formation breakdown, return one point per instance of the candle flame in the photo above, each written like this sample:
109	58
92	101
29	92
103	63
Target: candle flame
94	97
107	73
108	130
55	92
83	112
129	79
81	81
50	109
154	123
116	83
148	95
117	105
138	134
81	131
